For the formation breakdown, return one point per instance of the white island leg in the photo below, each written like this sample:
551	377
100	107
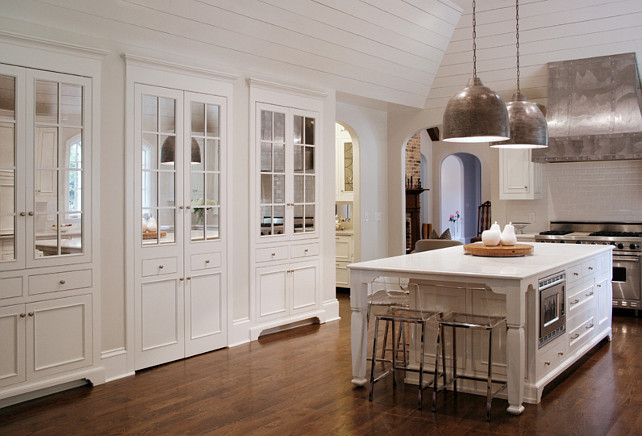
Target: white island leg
358	327
516	348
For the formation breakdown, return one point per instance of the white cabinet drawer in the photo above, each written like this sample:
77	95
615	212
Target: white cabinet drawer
581	271
10	287
343	274
304	250
161	266
205	261
63	281
579	298
272	253
579	334
555	353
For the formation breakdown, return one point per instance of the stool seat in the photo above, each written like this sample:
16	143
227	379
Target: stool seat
457	320
399	316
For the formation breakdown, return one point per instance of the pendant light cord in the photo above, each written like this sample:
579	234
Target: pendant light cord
474	42
517	38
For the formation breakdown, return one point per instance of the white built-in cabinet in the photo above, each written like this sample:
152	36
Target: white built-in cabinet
344	242
49	323
519	177
180	224
286	175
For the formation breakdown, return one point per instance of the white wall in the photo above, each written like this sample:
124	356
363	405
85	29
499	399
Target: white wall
370	127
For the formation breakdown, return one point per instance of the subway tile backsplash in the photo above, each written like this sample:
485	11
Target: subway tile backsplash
594	191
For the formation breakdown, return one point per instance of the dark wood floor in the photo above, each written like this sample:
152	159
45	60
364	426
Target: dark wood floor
298	382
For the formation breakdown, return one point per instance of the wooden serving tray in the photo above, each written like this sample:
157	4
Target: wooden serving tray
479	249
153	235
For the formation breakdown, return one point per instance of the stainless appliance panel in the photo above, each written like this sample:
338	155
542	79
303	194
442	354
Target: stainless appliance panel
626	281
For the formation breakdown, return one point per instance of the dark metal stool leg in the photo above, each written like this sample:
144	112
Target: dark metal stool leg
374	360
421	362
385	340
489	390
436	375
454	360
394	356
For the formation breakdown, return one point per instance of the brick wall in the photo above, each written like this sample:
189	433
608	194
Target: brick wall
413	159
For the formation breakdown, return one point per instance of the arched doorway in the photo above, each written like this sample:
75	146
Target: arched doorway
460	194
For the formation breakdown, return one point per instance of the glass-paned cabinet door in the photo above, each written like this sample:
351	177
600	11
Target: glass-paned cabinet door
272	173
60	118
12	211
160	141
205	134
304	184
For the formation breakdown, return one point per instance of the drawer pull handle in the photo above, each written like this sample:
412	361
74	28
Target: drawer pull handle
590	268
575	301
547	363
599	286
273	254
590	326
30	314
22	315
207	261
306	250
62	282
589	294
575	336
560	354
576	274
161	266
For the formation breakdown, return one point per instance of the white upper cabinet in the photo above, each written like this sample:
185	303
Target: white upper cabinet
45	174
519	177
287	180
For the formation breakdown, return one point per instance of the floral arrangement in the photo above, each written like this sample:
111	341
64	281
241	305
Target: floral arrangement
200	211
454	218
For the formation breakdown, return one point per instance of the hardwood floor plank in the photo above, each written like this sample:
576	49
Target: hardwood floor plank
298	383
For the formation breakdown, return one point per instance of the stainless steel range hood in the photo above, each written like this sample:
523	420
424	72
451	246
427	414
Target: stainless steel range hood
593	110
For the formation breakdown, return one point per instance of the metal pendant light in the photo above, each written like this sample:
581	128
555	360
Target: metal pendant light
168	149
528	128
477	113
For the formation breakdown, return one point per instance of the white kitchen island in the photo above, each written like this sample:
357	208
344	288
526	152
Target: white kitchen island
449	280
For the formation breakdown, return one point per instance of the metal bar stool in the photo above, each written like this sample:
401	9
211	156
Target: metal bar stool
467	321
402	316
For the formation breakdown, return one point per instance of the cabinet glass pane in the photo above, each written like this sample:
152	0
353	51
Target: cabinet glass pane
298	218
166	225
266	188
7	145
212	155
198	118
47	195
46	102
298	129
212	219
150	113
298	189
150	226
72	151
309	218
197	197
71	104
279	127
278	220
46	147
197	159
71	233
347	167
213	120
197	227
149	189
149	150
212	189
266	157
72	194
309	131
309	189
7	98
279	189
167	115
279	157
7	214
266	125
298	158
309	160
266	220
166	197
46	239
167	152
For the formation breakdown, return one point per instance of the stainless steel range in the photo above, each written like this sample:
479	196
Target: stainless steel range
626	239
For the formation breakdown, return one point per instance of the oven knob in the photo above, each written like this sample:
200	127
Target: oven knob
593	243
620	246
578	242
634	246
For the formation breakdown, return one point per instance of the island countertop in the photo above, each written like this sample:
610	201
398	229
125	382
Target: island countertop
452	261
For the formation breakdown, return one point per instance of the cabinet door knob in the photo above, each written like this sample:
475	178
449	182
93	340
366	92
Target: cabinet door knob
306	250
576	274
62	282
180	207
189	278
590	268
23	213
30	214
560	354
273	254
161	266
547	363
207	261
188	207
181	279
22	315
30	313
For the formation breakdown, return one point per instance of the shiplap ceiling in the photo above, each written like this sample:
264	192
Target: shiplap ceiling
387	50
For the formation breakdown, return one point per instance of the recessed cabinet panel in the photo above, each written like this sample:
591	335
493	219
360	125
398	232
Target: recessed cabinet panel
162	319
12	344
10	288
304	287
272	292
204	327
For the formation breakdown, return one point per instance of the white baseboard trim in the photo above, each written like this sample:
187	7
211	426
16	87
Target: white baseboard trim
115	364
239	332
331	308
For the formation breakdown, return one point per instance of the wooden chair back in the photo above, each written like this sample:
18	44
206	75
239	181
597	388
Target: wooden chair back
483	220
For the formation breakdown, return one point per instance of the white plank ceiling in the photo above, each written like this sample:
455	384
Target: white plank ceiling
387	50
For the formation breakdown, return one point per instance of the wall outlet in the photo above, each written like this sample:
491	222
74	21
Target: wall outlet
365	217
531	217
